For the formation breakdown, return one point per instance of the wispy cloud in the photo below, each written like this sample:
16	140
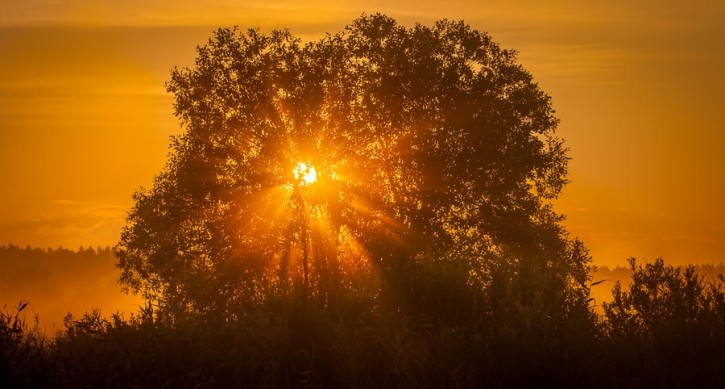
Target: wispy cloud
166	13
72	225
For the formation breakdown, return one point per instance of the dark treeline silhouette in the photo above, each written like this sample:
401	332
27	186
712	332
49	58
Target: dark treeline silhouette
605	278
372	209
15	256
56	281
29	253
41	272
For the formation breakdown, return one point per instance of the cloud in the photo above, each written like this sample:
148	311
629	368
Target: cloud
167	13
72	225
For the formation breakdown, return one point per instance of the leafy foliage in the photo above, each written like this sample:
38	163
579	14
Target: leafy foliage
669	327
435	257
663	298
433	148
302	345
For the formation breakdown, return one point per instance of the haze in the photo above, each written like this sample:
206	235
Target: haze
638	86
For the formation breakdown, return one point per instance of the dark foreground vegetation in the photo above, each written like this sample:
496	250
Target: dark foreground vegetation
666	330
372	209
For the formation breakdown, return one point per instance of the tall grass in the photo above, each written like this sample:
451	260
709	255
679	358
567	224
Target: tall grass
666	329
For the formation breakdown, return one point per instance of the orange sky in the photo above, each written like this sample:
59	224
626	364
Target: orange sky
638	86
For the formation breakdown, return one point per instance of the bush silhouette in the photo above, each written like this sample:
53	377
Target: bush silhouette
422	252
669	327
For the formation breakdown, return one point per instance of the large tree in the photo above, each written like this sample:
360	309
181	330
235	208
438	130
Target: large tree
367	152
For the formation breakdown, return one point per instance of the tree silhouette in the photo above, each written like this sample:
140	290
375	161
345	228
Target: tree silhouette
668	328
432	149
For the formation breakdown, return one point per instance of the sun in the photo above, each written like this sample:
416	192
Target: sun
305	173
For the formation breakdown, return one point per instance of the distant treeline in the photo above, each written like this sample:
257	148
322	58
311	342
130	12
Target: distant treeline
30	271
16	257
605	278
623	273
22	267
13	251
48	272
35	274
56	281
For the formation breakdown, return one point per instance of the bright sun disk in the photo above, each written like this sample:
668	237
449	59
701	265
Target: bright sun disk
305	173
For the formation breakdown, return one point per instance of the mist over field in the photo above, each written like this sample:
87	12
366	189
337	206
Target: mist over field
57	281
281	195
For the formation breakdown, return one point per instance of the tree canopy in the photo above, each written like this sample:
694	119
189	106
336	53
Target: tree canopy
371	209
431	146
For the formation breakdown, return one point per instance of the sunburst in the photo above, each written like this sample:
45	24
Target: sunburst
305	173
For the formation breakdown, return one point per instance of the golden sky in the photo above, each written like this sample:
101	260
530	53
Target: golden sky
638	86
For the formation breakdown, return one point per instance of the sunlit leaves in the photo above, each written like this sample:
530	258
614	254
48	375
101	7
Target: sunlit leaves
428	144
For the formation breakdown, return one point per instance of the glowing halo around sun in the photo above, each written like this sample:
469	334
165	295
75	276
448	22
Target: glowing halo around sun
305	173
